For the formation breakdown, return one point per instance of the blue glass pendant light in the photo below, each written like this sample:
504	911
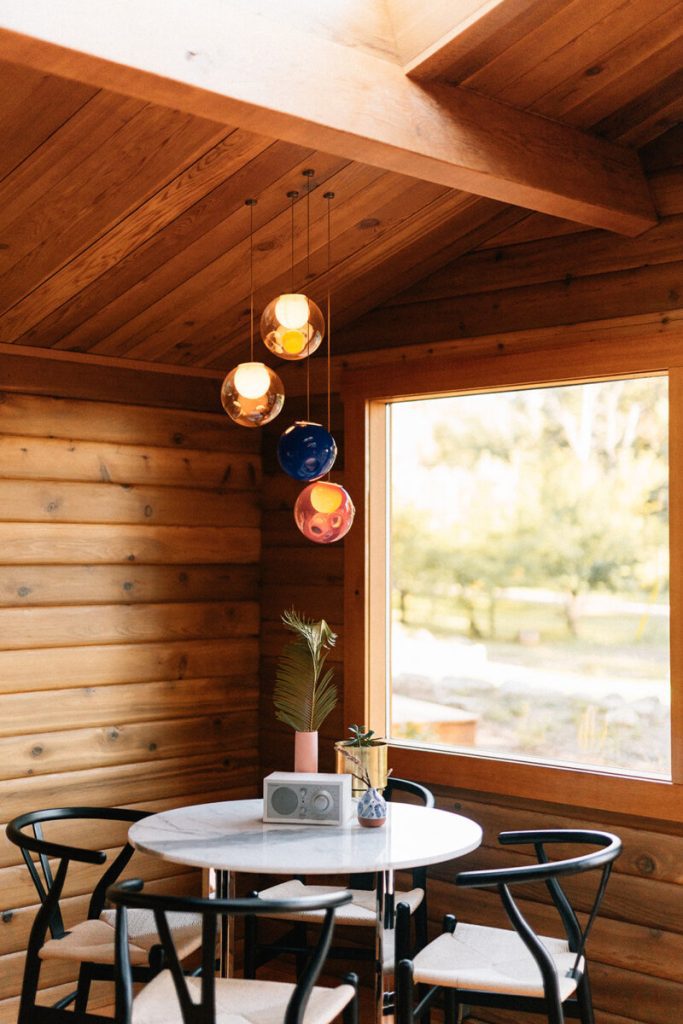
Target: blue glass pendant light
306	451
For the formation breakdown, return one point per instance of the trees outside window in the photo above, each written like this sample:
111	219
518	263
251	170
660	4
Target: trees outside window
529	573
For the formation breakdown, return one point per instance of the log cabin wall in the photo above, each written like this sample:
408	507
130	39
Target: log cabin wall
543	273
128	614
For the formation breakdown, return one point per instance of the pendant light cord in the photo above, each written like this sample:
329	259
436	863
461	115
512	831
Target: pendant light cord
292	196
308	175
329	196
308	389
251	203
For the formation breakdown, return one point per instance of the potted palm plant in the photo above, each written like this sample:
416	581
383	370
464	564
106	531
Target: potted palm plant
304	693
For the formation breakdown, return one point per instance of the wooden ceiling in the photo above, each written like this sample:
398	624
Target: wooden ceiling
123	230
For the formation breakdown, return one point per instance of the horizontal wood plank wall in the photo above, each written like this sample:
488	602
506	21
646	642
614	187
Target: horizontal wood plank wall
129	620
637	944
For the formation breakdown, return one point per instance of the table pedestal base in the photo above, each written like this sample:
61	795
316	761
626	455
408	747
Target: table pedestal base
222	887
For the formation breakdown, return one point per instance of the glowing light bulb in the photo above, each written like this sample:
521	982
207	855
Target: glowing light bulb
252	380
252	394
326	498
292	326
292	311
293	342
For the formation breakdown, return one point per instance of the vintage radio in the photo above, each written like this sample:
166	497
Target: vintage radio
309	799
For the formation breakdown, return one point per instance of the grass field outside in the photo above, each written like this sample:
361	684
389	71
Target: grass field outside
599	698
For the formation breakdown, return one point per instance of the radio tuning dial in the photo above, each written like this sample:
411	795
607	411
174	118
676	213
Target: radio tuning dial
322	801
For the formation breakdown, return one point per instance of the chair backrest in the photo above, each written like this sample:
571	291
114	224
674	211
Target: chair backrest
550	872
130	894
49	885
393	786
367	880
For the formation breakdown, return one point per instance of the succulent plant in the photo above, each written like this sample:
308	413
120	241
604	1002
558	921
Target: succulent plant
360	736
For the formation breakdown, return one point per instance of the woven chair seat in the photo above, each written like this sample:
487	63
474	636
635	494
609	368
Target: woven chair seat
93	940
238	1001
361	911
491	960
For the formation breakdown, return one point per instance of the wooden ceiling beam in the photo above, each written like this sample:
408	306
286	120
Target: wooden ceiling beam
433	38
218	62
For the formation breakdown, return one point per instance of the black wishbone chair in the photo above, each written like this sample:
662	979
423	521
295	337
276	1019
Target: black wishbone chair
89	943
360	912
514	969
173	998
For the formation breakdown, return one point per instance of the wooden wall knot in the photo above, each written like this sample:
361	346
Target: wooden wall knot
645	864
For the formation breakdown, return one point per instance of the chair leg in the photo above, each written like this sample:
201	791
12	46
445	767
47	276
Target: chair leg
301	939
402	950
404	993
421	936
83	989
450	1006
250	944
421	992
350	1012
29	988
584	1000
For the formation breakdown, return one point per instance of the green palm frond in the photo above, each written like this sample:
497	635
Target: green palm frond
304	695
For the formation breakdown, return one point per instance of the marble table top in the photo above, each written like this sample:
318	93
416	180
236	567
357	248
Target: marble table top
232	836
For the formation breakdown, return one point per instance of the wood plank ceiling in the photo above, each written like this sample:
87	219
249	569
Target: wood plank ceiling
123	231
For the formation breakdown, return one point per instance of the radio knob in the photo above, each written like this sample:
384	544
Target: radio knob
322	801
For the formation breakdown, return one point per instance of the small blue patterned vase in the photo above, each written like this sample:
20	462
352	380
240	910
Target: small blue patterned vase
371	809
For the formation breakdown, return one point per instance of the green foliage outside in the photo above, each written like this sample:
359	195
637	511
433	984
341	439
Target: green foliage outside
535	523
564	489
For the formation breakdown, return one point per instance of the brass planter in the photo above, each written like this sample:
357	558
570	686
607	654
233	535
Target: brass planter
373	759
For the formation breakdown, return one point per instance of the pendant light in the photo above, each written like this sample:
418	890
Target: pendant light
324	511
306	451
252	394
292	326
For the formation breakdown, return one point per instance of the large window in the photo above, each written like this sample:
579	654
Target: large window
514	578
528	571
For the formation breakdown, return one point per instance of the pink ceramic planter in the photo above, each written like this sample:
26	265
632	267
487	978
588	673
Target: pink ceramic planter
305	751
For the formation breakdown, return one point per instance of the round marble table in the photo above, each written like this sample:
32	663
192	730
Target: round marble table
232	837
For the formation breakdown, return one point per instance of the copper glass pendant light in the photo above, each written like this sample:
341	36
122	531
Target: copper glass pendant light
252	394
324	511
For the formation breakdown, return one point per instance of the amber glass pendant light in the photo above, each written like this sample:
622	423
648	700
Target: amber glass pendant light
252	394
324	511
292	326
